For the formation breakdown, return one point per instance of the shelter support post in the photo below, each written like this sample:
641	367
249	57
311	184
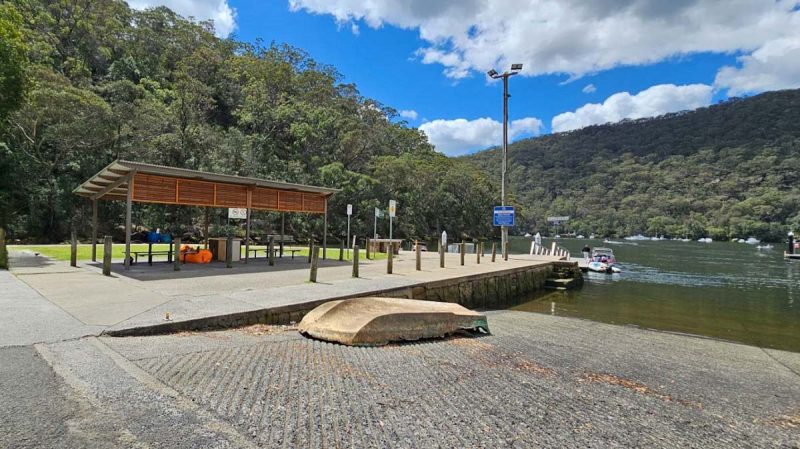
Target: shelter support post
205	228
283	231
94	230
271	250
128	204
229	252
247	239
325	232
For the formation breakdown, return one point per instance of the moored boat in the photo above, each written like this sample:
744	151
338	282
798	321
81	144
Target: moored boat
603	261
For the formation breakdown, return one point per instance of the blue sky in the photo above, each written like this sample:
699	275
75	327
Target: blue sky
583	64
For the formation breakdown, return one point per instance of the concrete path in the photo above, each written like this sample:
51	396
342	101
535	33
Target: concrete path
30	318
142	297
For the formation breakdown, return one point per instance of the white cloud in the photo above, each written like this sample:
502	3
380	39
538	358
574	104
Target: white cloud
409	114
651	102
574	37
355	29
589	88
219	11
461	136
776	65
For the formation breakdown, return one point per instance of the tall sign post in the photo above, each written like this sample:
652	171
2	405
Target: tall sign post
515	69
349	213
504	216
392	212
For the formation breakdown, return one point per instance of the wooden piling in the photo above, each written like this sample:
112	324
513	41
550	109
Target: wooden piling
176	255
229	252
314	265
271	250
463	250
505	251
3	250
494	251
419	255
355	261
441	255
107	255
390	259
73	250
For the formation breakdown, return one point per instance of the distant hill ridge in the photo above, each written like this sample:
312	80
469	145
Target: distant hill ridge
727	170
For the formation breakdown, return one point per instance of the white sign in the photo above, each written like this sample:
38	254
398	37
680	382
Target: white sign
378	213
392	208
558	219
240	214
349	210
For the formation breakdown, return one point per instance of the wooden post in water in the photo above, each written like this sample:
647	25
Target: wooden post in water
176	259
390	259
355	261
271	250
73	250
419	255
314	264
463	250
494	250
229	252
107	255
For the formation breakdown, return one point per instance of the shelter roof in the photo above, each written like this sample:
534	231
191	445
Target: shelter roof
172	185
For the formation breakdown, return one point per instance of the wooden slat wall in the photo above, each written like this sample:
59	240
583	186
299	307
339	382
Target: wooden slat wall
265	198
313	203
153	189
167	190
195	193
231	195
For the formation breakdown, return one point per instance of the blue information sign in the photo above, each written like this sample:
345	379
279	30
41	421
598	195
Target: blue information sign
504	216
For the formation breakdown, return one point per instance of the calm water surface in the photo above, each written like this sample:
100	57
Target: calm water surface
731	291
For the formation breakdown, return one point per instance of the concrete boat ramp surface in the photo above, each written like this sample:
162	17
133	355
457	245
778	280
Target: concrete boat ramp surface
537	381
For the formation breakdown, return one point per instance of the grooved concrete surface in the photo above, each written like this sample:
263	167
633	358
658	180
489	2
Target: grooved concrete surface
539	381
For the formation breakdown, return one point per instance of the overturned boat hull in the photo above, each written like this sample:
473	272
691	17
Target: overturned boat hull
376	321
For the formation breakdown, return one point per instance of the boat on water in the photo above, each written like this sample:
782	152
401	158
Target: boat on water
603	261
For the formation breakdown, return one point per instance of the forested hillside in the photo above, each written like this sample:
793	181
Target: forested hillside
729	170
85	82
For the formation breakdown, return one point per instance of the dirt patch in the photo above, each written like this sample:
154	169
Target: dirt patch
265	329
638	387
785	421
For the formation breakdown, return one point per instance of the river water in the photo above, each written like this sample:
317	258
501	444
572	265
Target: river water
730	291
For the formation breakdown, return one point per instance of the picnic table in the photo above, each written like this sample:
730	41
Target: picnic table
150	253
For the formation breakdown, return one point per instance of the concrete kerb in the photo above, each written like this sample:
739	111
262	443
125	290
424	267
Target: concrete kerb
485	290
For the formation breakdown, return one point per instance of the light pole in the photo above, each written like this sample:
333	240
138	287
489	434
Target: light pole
515	68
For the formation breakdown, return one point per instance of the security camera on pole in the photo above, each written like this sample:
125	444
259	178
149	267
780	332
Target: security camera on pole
515	68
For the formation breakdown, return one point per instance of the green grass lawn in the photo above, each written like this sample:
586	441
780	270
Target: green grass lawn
62	252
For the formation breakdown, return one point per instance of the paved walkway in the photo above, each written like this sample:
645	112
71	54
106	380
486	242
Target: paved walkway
142	296
30	318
